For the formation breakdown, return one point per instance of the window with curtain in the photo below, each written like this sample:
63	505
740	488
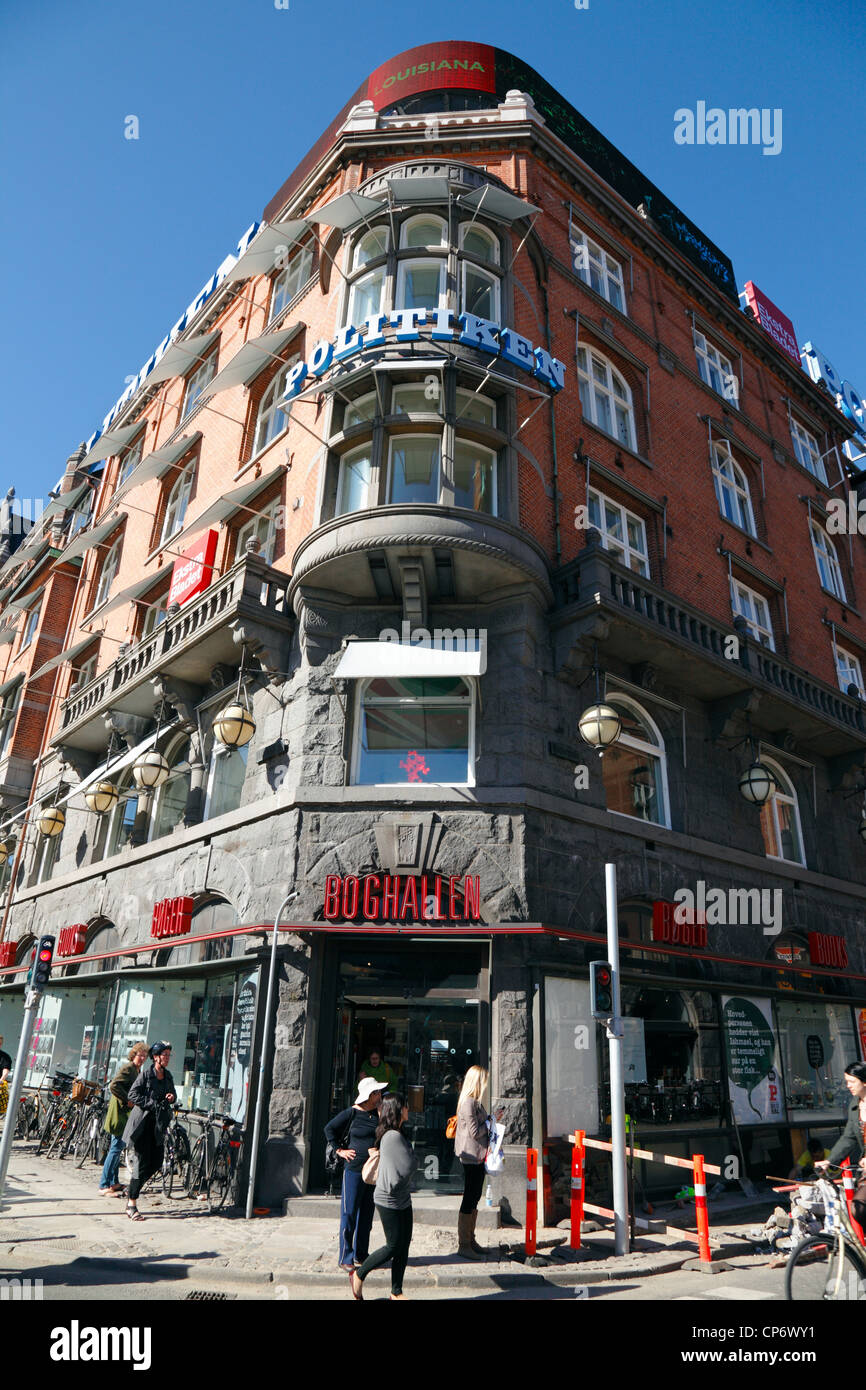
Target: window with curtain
780	819
634	769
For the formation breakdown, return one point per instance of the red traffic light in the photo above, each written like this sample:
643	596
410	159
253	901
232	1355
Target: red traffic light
603	975
45	955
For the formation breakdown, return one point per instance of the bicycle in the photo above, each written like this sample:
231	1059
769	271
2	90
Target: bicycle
177	1154
830	1266
91	1140
212	1177
53	1123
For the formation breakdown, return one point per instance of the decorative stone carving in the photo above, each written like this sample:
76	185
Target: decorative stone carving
131	728
414	590
408	841
180	696
729	717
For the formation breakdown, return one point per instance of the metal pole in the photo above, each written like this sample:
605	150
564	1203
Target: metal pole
17	1083
263	1055
617	1081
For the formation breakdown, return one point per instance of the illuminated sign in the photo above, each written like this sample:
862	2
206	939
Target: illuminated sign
828	950
72	940
401	897
193	569
848	398
503	343
171	917
773	321
7	953
667	927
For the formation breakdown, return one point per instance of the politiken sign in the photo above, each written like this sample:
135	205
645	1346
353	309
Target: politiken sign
848	398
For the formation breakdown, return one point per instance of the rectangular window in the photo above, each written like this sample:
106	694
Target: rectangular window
421	284
480	292
7	717
716	369
365	296
471	406
154	616
291	280
196	384
807	452
415	399
756	611
474	477
31	622
262	529
622	532
597	269
86	671
353	483
360	410
107	575
414	731
815	1089
129	460
849	671
413	469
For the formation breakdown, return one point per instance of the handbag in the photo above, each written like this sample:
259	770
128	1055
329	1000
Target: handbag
370	1170
451	1127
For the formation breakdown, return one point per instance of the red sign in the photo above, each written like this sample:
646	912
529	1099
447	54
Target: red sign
172	917
193	569
401	897
7	953
667	927
773	321
827	950
430	68
72	940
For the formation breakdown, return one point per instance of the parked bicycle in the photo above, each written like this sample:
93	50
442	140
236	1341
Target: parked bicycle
56	1120
176	1153
212	1174
830	1266
91	1140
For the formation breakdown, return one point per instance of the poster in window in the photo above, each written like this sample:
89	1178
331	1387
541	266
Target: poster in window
571	1057
237	1076
634	1051
753	1060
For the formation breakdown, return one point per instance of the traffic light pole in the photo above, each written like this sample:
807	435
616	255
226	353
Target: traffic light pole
31	1007
617	1075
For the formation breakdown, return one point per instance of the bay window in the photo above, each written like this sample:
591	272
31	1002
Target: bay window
353	482
413	469
474	477
414	731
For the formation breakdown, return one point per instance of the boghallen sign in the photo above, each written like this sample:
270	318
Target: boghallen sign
402	898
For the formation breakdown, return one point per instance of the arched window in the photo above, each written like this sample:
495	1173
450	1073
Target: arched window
807	451
291	280
732	488
225	779
605	396
634	769
105	937
108	573
477	241
371	246
367	289
780	819
272	418
169	803
415	731
212	916
178	501
115	831
424	230
827	561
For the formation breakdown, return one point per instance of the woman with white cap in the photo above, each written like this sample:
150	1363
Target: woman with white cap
352	1134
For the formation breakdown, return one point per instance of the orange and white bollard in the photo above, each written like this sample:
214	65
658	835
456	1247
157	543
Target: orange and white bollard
702	1216
531	1199
577	1166
848	1183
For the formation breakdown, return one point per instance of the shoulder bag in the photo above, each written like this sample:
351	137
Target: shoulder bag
370	1170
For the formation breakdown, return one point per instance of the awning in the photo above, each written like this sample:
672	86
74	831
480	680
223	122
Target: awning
345	211
26	551
111	443
7	633
133	591
86	540
361	660
69	654
157	463
65	502
181	357
26	600
497	202
228	504
418	190
252	358
10	684
258	259
386	364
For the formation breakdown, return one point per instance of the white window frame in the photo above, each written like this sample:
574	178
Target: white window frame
638	745
735	487
291	280
424	262
364	450
849	671
784	792
9	710
270	408
473	268
377	232
177	503
172	752
31	623
806	451
621	548
825	555
107	574
608	271
758	630
395	440
469	681
618	395
267	522
130	459
356	404
196	383
494	461
154	616
477	229
218	751
431	406
352	317
464	397
712	362
427	245
86	671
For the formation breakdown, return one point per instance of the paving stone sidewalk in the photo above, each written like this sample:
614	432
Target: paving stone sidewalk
53	1214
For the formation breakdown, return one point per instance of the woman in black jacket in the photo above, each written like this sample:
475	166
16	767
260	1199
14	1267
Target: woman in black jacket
355	1129
852	1142
145	1128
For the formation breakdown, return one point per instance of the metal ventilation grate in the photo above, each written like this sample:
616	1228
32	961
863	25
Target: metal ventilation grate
198	1294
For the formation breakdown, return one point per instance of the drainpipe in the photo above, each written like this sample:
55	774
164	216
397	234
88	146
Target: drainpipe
557	537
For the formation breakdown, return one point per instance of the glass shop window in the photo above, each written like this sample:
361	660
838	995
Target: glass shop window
672	1058
69	1035
817	1043
415	731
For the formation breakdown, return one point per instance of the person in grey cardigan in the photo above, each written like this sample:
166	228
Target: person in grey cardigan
393	1198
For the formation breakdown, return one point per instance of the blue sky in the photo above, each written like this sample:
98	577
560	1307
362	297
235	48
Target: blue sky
105	240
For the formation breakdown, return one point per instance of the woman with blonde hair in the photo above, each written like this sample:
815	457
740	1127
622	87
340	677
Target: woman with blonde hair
471	1143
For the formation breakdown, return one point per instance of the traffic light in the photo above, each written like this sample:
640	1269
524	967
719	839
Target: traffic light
601	989
41	969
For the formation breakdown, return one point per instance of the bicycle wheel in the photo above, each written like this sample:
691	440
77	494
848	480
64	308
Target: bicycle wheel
196	1172
77	1122
815	1274
220	1181
85	1142
45	1133
175	1168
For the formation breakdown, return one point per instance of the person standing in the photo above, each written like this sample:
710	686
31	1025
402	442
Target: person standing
5	1062
145	1128
393	1198
380	1070
471	1143
852	1142
355	1130
118	1114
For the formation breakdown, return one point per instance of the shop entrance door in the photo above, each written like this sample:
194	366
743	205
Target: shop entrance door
428	1047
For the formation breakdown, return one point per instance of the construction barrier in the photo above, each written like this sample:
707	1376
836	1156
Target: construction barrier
698	1168
848	1181
578	1153
531	1199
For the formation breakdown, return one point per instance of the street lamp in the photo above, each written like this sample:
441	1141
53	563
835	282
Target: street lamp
234	726
150	770
51	821
600	726
757	783
101	797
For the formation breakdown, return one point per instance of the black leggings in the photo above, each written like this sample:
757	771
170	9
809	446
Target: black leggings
398	1236
473	1186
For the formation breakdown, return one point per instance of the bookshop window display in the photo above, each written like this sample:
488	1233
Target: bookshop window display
817	1043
